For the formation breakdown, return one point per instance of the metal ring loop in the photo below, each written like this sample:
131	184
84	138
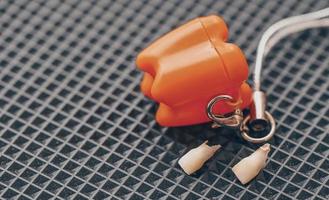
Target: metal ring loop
234	120
244	130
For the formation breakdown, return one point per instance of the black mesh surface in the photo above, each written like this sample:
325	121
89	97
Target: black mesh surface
74	125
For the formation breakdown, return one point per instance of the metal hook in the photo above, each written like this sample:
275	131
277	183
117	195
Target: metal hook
233	119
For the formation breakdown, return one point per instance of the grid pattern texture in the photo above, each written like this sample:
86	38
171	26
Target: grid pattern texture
73	124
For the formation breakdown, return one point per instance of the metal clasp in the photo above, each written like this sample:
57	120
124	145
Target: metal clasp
233	119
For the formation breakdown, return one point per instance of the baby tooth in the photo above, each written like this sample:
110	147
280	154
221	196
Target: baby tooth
195	158
249	167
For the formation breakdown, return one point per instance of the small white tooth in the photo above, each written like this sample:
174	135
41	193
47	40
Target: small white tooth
195	158
249	167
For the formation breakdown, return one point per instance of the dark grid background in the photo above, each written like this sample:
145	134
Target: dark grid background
73	123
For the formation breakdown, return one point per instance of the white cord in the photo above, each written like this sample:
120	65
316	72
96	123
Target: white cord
283	28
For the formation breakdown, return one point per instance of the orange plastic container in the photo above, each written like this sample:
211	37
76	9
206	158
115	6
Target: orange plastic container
190	65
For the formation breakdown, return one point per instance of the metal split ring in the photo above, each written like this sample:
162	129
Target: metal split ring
245	130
